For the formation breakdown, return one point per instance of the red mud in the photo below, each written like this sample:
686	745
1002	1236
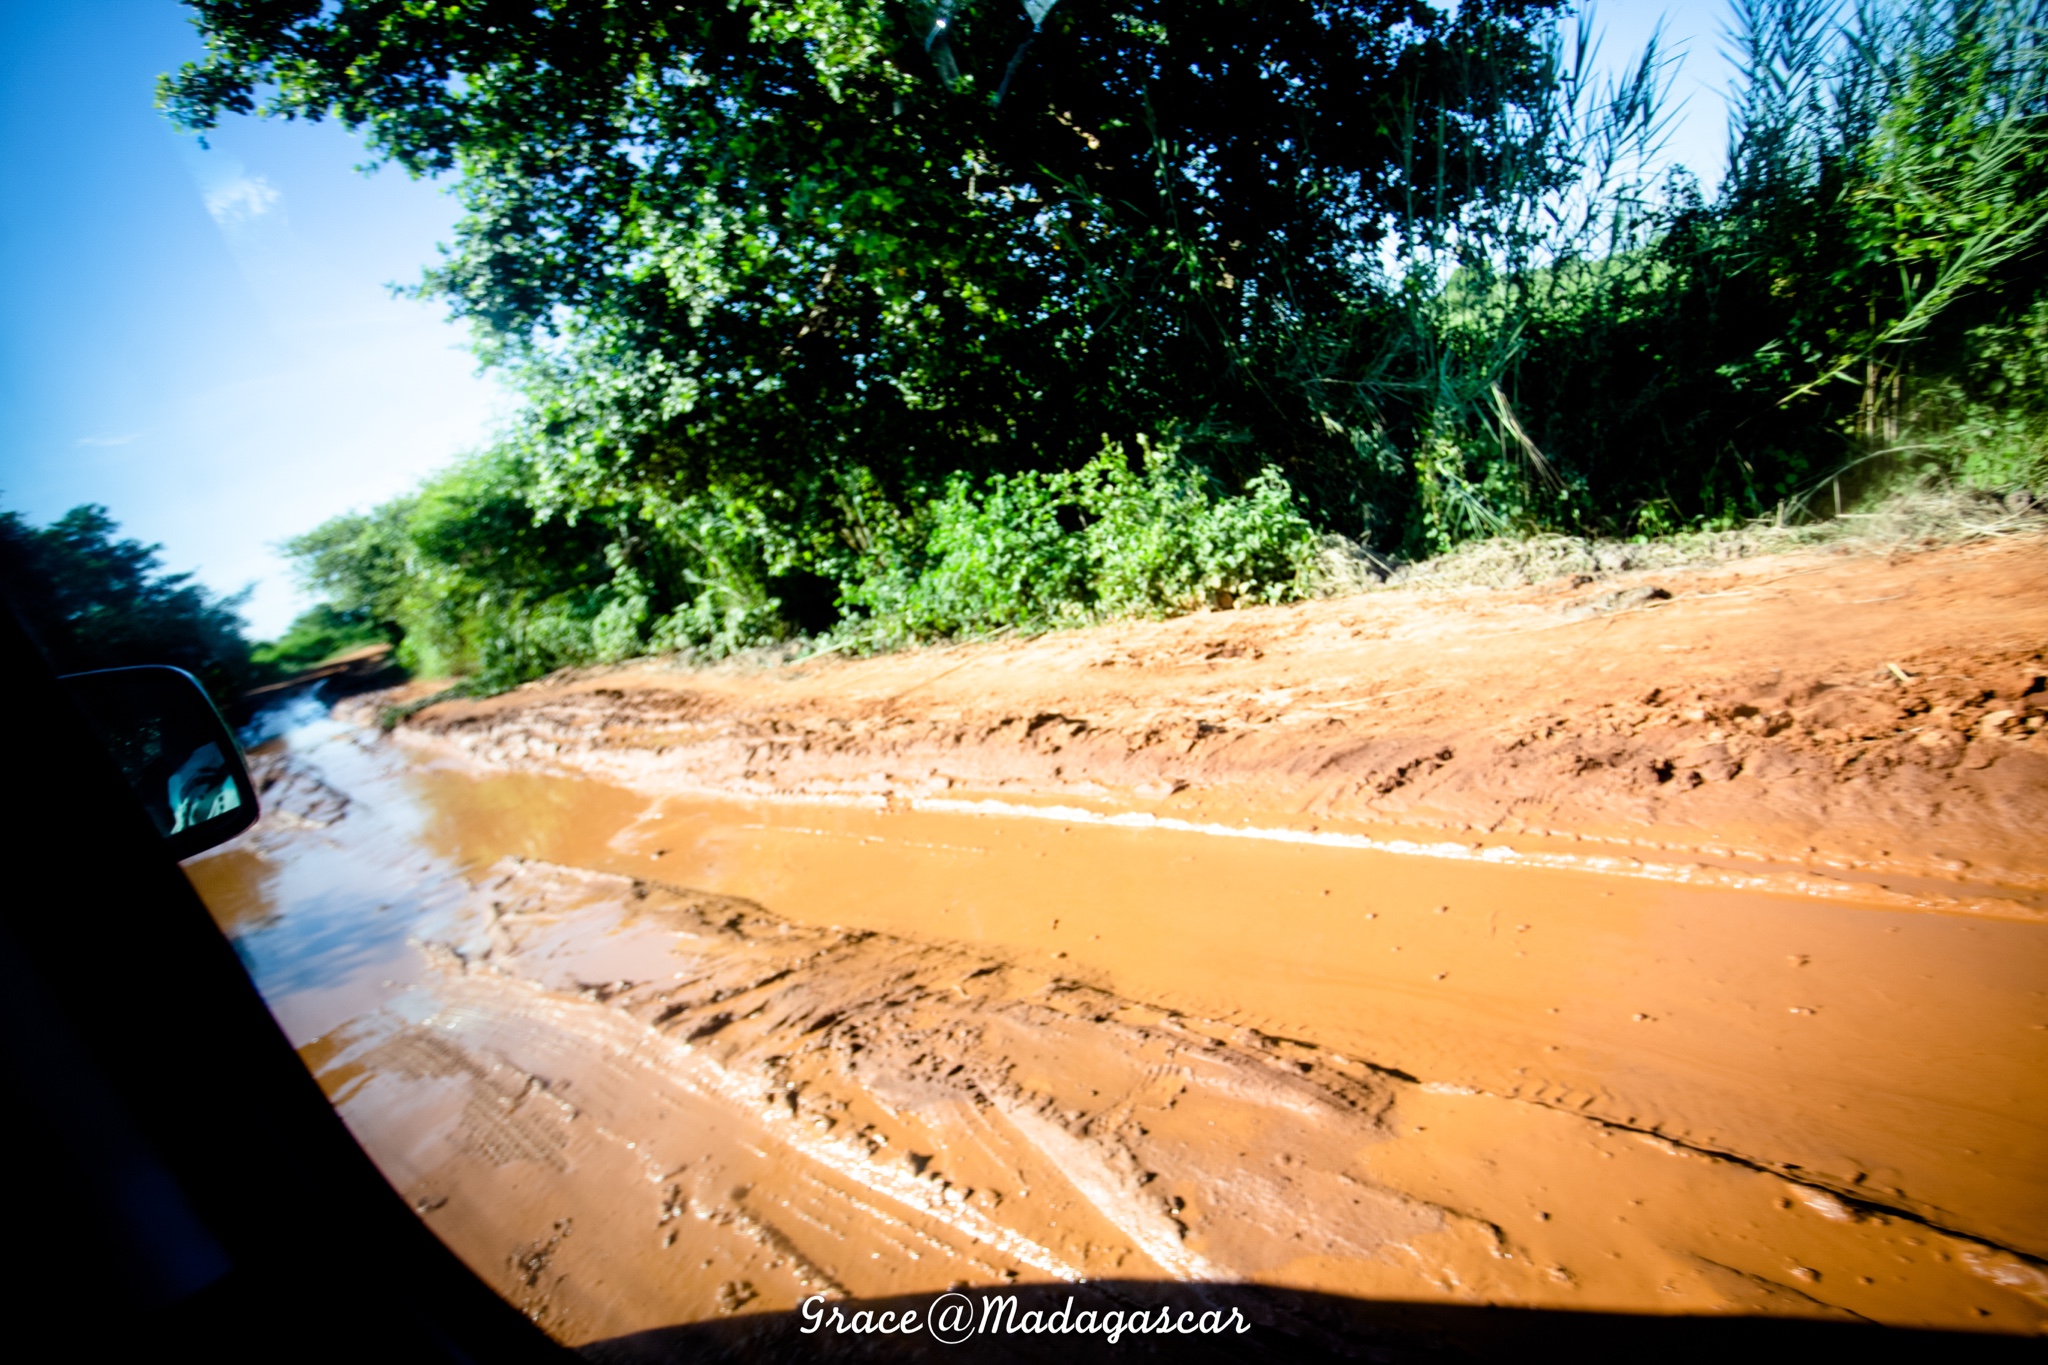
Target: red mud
1463	949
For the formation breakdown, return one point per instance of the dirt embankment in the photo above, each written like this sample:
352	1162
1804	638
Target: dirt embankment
1874	719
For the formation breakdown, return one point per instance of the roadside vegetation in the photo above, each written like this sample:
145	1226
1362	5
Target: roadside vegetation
315	636
874	322
93	600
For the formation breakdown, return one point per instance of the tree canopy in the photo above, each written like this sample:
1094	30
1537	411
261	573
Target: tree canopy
762	245
831	311
95	601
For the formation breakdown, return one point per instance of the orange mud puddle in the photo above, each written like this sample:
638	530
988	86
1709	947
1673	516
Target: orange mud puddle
651	1046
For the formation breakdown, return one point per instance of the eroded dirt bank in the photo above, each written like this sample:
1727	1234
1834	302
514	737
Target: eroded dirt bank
1862	717
1369	948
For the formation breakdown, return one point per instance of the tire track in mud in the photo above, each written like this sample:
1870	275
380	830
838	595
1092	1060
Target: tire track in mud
1074	1134
1837	1201
846	1031
1667	1001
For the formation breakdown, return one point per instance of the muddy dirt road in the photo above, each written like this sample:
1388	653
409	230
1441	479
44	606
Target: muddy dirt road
1663	946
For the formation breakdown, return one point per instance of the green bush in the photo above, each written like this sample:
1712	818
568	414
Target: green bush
1035	551
1168	541
315	636
485	573
984	556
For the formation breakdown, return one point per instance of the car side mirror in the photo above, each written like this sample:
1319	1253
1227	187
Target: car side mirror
178	755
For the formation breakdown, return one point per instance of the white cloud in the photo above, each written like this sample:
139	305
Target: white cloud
241	200
120	440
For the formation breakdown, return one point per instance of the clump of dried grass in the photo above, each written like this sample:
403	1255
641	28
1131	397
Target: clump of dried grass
1919	517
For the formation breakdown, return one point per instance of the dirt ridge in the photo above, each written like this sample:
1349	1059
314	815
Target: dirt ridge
1881	719
926	1074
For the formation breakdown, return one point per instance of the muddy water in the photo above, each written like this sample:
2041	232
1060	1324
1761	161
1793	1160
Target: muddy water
655	1061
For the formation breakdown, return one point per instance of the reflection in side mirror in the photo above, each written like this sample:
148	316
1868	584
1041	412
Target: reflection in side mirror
176	752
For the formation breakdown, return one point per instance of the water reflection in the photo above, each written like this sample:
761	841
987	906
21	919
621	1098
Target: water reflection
323	910
240	886
308	706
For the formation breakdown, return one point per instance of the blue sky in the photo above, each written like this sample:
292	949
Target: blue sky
205	340
1699	83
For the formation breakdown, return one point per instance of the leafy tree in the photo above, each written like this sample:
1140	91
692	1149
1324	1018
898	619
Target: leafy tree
315	636
360	564
95	601
779	249
826	311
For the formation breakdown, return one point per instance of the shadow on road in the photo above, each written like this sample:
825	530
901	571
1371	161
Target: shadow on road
1279	1325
